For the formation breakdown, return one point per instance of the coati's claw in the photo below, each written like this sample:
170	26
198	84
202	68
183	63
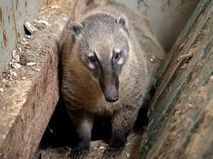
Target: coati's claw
112	152
78	154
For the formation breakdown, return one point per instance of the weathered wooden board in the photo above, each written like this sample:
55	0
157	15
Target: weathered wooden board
27	105
181	112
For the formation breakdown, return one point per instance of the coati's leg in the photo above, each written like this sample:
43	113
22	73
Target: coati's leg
83	123
122	123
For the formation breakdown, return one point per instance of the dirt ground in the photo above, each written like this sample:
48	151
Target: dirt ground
97	148
58	136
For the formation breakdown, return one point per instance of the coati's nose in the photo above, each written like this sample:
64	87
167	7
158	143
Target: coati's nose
110	87
112	97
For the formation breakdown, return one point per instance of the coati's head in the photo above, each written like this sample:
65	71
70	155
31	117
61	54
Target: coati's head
102	45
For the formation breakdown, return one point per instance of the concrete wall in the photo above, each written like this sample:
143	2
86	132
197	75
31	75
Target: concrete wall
13	14
167	17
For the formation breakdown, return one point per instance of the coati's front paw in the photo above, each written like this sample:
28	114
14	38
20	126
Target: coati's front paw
78	154
112	152
116	145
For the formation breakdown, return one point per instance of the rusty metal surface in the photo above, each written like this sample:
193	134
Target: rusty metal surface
13	14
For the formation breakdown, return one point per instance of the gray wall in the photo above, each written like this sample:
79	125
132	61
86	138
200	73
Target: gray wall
13	14
167	17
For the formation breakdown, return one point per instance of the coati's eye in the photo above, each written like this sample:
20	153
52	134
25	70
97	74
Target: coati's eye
92	59
117	56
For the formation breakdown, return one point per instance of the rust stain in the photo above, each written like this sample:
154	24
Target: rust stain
5	39
18	35
1	15
17	3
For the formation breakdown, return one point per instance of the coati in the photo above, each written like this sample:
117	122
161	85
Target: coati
109	58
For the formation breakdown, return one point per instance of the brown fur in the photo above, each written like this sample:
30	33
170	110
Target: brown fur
81	91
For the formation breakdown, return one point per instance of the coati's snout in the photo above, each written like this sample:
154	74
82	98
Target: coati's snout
109	85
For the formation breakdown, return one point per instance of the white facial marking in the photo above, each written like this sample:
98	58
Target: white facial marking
117	50
90	65
90	54
120	61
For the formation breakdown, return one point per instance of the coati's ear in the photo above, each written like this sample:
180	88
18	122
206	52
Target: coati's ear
122	20
75	28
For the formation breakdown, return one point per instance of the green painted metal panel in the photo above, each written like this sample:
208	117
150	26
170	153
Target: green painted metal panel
181	113
13	14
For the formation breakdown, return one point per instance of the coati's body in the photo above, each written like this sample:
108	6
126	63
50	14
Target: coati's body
109	60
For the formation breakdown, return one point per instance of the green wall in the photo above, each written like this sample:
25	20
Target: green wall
13	14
